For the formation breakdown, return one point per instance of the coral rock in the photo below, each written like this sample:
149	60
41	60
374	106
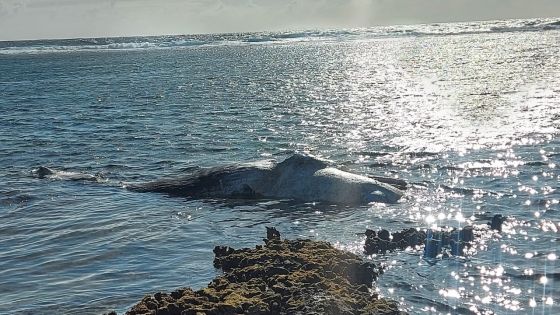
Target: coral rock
281	277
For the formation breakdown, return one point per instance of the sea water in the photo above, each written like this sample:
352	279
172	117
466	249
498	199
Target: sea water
467	113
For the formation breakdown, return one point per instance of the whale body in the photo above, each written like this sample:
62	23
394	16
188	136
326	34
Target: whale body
300	177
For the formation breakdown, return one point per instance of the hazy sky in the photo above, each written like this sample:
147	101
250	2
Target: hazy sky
33	19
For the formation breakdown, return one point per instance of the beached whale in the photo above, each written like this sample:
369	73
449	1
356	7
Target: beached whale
299	177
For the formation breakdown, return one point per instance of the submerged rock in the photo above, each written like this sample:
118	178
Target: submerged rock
279	277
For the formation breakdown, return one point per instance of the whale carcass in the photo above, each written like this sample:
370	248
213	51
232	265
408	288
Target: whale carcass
300	177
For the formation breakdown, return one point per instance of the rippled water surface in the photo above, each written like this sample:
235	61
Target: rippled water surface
468	114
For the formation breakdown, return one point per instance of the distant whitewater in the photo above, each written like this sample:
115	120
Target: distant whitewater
189	41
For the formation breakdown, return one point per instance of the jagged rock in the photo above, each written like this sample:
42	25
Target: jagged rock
383	241
281	277
434	240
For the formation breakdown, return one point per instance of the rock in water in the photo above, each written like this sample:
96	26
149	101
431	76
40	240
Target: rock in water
435	241
280	277
496	223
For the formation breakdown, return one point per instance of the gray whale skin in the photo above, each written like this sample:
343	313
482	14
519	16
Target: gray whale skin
299	177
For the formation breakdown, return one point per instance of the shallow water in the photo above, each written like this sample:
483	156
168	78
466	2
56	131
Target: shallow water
469	114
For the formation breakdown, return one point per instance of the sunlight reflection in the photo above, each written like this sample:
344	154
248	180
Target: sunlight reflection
532	302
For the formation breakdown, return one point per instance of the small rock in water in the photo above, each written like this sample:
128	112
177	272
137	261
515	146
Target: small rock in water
467	234
384	235
272	233
432	248
380	242
497	222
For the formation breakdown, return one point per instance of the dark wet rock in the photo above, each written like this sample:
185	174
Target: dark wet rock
272	233
382	241
384	235
432	248
281	277
496	223
467	234
435	241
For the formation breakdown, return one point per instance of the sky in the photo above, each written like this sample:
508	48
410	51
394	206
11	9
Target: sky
40	19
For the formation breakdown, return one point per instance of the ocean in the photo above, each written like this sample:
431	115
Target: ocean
467	113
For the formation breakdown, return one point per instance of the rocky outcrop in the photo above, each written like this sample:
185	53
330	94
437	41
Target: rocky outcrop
441	241
379	242
449	241
279	277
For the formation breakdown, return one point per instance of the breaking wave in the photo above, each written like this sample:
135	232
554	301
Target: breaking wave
190	41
